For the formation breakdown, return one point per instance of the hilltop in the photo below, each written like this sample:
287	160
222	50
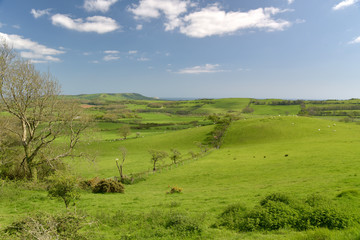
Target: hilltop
110	97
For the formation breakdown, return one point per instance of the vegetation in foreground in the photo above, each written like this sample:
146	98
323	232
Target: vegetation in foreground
201	169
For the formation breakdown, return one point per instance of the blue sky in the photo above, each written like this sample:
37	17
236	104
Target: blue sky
307	49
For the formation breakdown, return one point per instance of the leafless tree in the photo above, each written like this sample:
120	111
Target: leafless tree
33	100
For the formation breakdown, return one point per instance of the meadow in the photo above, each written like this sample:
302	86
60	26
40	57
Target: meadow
274	150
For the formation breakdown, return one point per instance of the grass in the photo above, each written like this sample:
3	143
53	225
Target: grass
298	156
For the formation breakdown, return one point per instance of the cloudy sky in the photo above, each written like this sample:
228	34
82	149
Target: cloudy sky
308	49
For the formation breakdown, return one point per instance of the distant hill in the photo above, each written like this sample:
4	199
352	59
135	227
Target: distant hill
109	97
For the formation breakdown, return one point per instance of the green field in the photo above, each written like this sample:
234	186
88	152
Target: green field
262	153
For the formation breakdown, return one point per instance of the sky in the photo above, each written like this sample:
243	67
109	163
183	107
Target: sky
290	49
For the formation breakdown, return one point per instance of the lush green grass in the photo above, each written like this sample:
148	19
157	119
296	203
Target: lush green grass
322	158
260	155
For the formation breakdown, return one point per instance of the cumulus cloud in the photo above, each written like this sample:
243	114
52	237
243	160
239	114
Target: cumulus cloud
98	5
207	68
40	13
208	21
214	21
31	50
291	1
344	4
139	27
172	9
98	24
355	41
133	52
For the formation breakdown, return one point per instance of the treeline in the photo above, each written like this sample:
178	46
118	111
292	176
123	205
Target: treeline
277	102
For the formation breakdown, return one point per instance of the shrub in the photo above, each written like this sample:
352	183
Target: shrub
64	187
275	197
108	186
278	211
349	193
247	110
89	184
174	190
182	222
47	226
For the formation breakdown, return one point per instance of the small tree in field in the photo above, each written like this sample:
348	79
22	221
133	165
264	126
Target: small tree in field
156	157
175	155
125	130
64	187
120	166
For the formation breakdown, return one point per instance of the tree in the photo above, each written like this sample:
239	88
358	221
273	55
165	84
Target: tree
156	157
175	155
123	157
125	130
64	187
39	114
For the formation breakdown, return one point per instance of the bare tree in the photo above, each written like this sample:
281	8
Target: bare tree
123	158
33	100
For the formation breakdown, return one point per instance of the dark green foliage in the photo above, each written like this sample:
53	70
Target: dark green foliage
47	226
278	211
275	197
108	186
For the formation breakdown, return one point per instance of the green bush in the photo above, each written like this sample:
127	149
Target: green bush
63	186
108	186
277	211
182	222
276	197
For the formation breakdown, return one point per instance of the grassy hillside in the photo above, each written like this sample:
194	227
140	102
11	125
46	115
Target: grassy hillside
293	155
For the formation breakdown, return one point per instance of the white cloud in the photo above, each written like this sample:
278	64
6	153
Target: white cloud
111	52
111	57
214	21
133	52
30	49
172	9
39	13
355	41
207	68
98	24
143	59
139	27
290	1
16	26
98	5
1	25
344	4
